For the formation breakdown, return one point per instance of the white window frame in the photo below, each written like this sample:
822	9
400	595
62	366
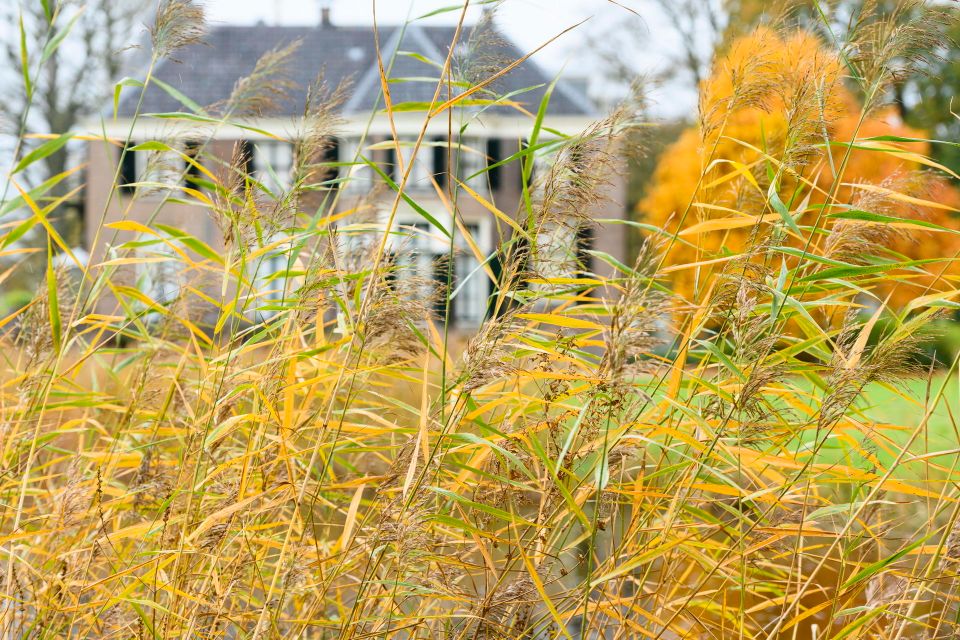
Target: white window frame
471	157
359	176
266	287
163	168
273	165
422	172
412	235
472	286
159	275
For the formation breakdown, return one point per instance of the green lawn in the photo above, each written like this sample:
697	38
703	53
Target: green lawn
890	417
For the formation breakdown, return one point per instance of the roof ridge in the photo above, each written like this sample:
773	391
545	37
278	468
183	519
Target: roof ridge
372	76
418	31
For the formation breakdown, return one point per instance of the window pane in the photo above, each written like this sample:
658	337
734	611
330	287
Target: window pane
270	280
494	155
359	176
163	171
421	173
273	165
159	273
472	284
471	159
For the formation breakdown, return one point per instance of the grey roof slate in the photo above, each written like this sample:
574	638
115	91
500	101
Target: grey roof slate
207	73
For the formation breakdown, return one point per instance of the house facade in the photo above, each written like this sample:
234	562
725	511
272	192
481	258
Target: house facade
483	137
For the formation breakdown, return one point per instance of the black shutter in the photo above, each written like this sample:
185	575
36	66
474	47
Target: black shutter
585	237
192	174
128	169
496	266
440	161
526	161
443	274
331	156
391	276
390	162
494	156
522	251
243	156
247	151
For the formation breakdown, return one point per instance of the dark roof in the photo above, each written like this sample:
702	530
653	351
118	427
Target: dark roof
207	73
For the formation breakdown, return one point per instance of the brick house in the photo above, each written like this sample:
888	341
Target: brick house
206	74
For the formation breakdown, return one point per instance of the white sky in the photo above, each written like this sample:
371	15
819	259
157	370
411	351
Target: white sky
530	23
527	21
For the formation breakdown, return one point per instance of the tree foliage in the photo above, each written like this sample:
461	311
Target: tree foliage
78	46
772	108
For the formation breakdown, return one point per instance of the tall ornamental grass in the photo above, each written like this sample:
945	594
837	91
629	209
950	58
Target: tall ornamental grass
610	455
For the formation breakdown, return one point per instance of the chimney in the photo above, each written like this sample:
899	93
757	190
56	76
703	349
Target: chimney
325	13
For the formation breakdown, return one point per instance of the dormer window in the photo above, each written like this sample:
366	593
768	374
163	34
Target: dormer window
356	54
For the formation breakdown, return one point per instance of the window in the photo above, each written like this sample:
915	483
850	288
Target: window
428	262
472	285
390	163
157	171
439	148
471	159
356	54
270	280
468	158
528	163
585	239
273	165
159	274
74	265
331	158
358	174
557	252
423	253
562	250
163	172
420	173
247	151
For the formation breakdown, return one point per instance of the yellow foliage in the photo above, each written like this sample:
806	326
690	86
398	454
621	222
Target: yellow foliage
766	115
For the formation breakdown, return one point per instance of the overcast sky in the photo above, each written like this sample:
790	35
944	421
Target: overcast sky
530	23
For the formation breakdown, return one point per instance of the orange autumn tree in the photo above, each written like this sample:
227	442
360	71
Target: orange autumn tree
780	134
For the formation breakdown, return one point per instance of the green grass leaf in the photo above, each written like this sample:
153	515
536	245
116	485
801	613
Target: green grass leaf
25	62
54	43
880	565
53	304
46	149
777	204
